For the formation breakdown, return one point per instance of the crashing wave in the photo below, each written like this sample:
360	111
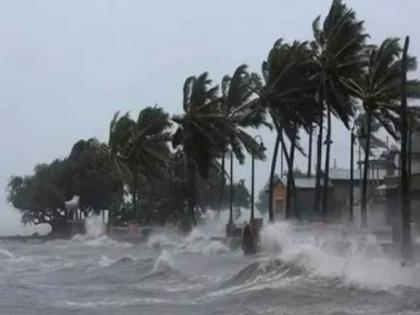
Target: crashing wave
356	258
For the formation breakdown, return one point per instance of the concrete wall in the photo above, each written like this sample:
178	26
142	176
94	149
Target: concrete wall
415	165
415	140
305	202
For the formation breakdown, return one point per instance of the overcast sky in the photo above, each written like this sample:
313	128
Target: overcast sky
67	66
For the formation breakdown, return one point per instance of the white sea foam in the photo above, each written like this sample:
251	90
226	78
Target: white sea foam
215	247
96	235
6	253
120	302
105	261
199	242
94	226
356	258
161	240
164	261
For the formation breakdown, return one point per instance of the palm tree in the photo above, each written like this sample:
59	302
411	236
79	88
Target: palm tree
378	87
140	148
337	47
242	111
202	132
288	95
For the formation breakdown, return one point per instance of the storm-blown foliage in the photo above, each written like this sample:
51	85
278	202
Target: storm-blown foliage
378	88
201	133
87	172
140	148
288	94
302	85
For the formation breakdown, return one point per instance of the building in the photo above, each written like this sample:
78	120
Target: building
341	181
305	194
391	186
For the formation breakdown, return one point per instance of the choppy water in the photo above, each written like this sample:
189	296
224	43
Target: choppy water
301	271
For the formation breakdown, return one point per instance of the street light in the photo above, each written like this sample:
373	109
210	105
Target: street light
261	149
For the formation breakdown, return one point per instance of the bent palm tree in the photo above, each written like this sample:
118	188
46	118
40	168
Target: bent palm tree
238	107
140	148
202	132
337	46
288	94
378	87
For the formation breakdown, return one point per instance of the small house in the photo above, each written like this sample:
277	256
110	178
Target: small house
305	197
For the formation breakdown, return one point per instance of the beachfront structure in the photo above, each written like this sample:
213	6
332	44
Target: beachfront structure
391	188
304	198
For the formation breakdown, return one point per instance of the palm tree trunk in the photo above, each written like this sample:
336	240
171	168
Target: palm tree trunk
366	170
222	182
192	192
327	164
407	250
231	189
351	213
290	183
281	161
108	223
318	167
272	173
409	152
309	172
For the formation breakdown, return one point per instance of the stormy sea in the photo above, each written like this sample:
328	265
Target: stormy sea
300	270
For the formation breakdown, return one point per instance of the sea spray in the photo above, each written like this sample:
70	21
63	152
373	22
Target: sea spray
165	281
95	235
164	261
105	261
162	240
94	226
6	253
355	258
200	242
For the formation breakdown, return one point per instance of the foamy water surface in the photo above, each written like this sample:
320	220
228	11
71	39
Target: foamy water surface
302	269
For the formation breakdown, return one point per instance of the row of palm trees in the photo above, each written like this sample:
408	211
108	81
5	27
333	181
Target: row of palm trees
303	85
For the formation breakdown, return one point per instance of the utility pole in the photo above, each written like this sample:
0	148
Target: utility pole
407	250
261	148
351	213
231	189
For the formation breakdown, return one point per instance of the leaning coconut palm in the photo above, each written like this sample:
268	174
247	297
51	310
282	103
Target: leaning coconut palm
140	148
288	94
337	46
202	132
242	112
378	87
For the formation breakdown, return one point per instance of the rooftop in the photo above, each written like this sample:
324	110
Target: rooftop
343	174
304	182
